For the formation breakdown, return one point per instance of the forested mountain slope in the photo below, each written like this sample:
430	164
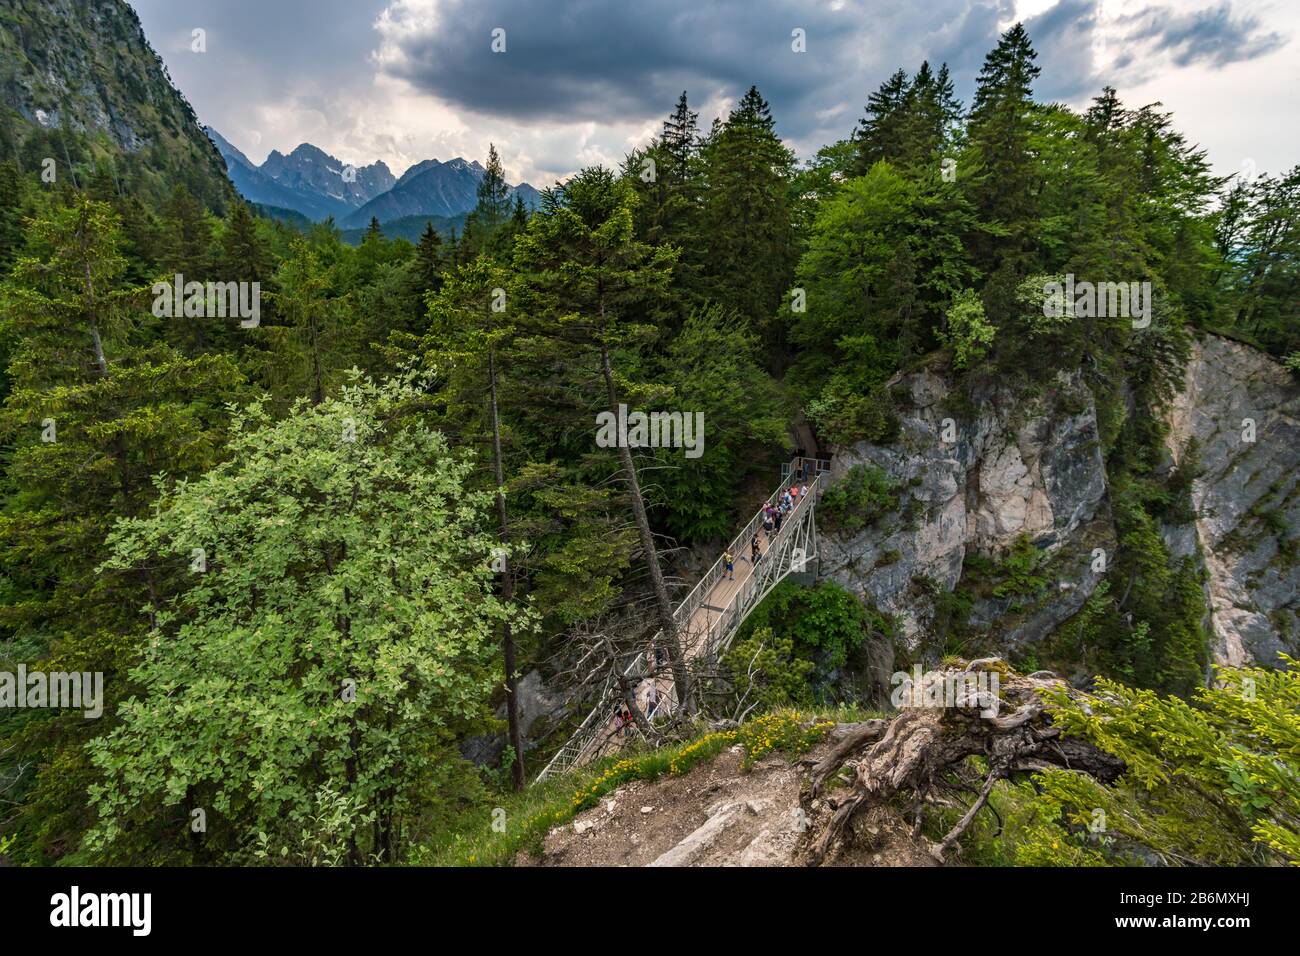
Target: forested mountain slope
80	84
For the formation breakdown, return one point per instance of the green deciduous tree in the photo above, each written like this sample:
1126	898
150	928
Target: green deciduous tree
1210	781
339	638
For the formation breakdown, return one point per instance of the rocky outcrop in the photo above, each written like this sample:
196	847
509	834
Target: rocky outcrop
1240	411
976	473
722	814
975	476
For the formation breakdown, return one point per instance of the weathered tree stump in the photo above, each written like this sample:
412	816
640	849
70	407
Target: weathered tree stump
979	709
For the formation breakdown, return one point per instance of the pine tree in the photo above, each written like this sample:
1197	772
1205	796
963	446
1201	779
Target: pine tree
747	216
680	139
473	344
668	178
880	133
242	253
92	419
588	274
929	117
11	214
188	235
427	266
1004	188
493	207
308	349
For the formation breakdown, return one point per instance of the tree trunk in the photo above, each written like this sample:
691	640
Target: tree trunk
663	606
507	586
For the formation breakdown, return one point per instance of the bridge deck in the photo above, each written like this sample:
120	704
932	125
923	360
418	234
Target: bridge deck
720	600
709	617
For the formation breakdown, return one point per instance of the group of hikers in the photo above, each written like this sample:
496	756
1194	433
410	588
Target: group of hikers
625	723
773	515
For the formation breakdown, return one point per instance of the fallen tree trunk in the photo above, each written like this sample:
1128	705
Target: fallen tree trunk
981	709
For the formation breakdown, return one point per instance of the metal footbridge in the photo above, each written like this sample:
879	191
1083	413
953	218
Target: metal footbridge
708	619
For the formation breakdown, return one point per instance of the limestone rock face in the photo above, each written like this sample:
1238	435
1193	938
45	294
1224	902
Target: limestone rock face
1247	502
973	477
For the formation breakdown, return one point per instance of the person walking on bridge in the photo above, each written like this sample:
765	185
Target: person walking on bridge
754	551
730	568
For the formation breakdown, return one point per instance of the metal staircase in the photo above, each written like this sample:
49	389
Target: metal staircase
706	625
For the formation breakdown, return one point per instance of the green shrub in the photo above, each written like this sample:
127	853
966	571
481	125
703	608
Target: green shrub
825	624
778	676
859	499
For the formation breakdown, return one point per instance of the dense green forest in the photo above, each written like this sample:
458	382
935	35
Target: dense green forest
307	554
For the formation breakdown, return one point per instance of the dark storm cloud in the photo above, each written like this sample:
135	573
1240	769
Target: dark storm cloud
1064	36
597	61
1212	36
282	69
589	61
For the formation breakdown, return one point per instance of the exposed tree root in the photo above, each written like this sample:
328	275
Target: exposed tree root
979	709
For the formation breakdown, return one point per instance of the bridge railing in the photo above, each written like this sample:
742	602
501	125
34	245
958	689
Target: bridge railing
592	731
739	546
720	630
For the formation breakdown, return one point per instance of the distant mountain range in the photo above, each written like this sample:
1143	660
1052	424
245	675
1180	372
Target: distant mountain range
313	183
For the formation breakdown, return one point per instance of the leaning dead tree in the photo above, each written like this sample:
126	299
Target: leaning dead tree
920	756
612	662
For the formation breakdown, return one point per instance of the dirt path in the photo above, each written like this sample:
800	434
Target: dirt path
719	814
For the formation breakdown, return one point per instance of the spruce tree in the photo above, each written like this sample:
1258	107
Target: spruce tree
493	207
747	216
880	133
1004	188
92	419
588	274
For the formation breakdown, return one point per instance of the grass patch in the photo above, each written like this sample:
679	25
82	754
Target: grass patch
523	819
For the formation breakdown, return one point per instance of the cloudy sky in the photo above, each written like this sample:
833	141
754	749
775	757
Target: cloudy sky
583	81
